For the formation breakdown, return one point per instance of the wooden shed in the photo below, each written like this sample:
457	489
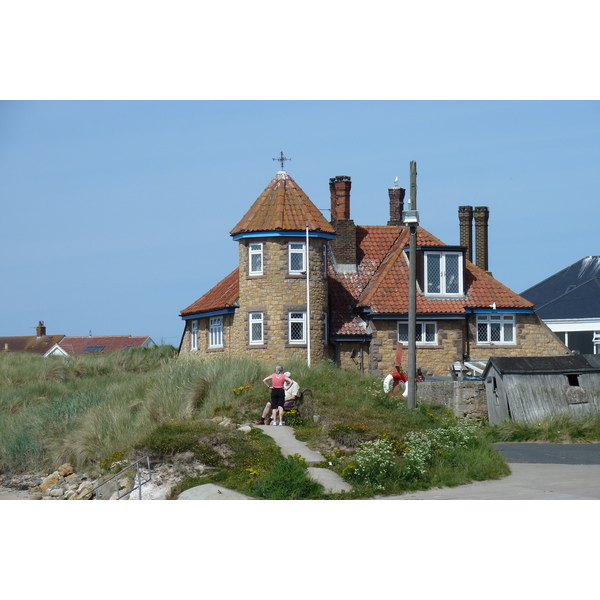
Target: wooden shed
528	389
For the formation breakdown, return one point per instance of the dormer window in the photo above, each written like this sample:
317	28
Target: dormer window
443	273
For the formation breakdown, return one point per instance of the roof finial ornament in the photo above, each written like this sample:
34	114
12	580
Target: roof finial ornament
281	159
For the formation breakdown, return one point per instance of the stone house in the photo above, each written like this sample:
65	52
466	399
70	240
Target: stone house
353	307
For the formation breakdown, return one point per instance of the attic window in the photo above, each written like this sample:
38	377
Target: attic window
93	349
573	379
443	273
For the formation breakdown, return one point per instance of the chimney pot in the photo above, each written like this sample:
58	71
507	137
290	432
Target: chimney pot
40	330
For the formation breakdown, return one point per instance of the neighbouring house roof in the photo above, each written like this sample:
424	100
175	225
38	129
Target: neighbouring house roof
223	295
282	206
573	293
103	344
29	343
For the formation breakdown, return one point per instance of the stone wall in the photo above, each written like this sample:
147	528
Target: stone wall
466	399
431	359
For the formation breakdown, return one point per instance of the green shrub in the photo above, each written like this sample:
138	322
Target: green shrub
287	479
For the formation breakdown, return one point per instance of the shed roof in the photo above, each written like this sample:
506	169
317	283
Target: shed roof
570	363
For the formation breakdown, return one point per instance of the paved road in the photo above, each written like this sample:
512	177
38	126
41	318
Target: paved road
538	472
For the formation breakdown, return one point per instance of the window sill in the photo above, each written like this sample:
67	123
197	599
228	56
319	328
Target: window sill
216	349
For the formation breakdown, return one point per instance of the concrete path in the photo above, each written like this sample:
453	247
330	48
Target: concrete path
210	491
284	437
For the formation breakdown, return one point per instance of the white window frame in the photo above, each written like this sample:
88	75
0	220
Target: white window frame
194	335
297	249
215	332
443	281
255	249
503	320
295	317
421	336
256	318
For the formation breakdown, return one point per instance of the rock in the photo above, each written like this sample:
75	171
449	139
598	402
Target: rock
56	493
50	481
225	422
65	470
245	428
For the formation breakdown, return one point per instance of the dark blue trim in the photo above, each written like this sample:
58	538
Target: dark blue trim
210	313
491	311
260	234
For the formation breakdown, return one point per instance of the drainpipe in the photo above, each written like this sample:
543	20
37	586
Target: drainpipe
307	300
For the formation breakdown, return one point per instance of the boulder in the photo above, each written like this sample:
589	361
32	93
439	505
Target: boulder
51	481
65	470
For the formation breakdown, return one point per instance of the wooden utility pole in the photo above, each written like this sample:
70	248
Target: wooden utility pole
412	294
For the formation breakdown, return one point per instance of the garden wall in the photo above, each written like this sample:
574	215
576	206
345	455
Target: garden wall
467	399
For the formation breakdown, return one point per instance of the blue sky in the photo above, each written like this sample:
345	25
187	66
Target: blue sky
116	214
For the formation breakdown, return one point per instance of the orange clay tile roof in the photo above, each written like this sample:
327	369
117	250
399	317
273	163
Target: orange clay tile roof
29	343
222	295
382	294
282	206
104	343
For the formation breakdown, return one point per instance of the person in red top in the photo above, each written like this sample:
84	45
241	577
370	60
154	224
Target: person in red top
278	379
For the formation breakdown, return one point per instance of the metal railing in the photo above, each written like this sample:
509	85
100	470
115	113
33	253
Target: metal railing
138	482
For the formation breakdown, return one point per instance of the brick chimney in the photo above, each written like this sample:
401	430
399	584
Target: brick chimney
339	188
344	244
481	215
40	330
396	195
465	220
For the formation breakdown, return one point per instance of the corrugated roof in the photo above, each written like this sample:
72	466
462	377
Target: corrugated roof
222	295
570	363
282	206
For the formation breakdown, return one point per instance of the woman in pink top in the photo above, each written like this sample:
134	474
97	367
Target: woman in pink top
277	393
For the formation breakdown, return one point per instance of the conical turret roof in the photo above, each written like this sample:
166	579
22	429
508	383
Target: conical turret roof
283	206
